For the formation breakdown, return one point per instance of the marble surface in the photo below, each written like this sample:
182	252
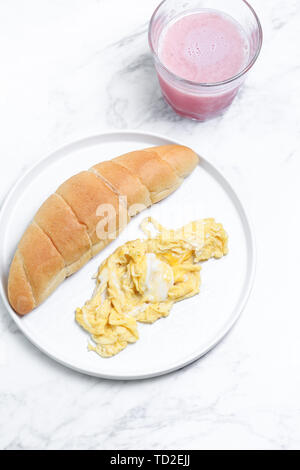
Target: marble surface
72	68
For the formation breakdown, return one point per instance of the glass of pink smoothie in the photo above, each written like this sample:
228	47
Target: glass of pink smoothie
203	50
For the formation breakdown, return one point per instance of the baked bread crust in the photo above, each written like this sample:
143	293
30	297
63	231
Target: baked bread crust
64	233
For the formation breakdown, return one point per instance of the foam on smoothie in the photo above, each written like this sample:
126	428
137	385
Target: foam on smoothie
206	46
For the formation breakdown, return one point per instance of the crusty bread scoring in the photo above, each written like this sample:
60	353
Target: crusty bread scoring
68	235
64	233
124	183
43	264
182	159
155	173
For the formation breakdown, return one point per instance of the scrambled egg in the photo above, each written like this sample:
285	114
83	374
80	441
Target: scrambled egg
142	280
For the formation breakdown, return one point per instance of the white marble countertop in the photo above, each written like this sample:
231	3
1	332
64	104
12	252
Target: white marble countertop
72	68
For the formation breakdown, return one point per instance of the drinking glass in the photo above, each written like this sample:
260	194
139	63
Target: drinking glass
194	100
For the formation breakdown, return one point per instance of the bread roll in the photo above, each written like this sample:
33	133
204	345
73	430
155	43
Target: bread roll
85	213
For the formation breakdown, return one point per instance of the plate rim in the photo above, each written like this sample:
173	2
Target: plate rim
248	229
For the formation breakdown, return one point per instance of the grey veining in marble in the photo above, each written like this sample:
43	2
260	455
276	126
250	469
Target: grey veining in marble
75	68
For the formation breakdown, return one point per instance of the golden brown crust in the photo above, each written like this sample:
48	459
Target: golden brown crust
124	183
20	294
64	234
156	174
86	193
59	222
43	264
182	159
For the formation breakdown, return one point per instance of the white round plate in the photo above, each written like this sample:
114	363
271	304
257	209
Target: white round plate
194	325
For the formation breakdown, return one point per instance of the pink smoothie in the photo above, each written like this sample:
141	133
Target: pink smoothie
204	47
